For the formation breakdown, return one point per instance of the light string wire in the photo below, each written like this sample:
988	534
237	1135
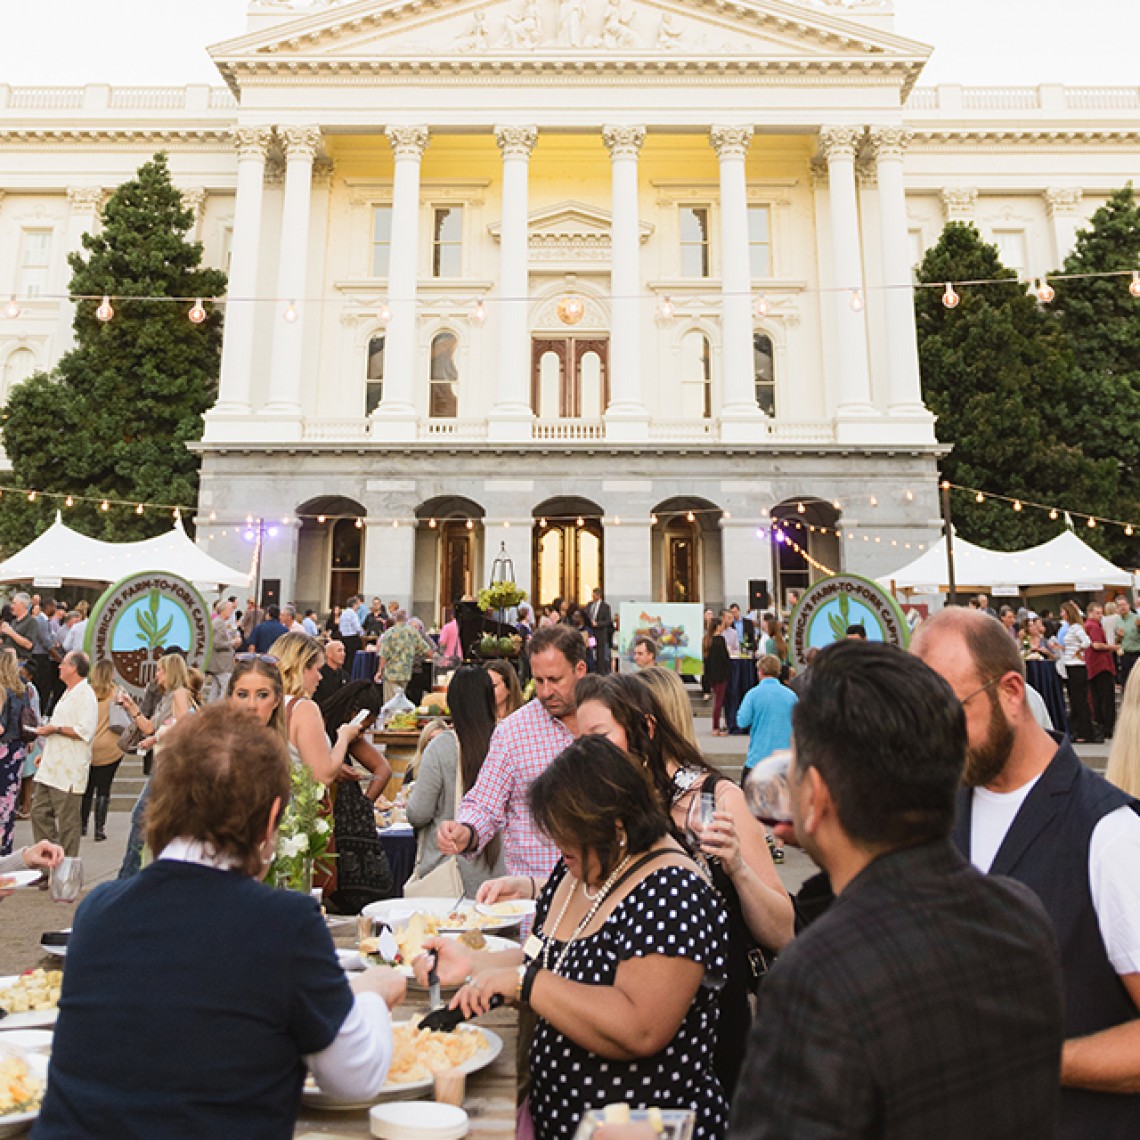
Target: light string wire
1055	512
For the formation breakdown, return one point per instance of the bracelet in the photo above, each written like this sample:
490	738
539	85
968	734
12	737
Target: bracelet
473	842
526	982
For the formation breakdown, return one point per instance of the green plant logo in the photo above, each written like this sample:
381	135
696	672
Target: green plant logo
150	633
840	621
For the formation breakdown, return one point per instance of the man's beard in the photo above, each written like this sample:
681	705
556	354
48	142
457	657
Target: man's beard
985	762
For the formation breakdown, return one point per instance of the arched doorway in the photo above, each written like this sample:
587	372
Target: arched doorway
449	548
685	541
809	527
568	554
330	551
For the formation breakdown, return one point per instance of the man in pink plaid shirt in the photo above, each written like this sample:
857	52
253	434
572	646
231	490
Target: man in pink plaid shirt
522	747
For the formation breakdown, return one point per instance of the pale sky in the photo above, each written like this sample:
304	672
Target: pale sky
162	42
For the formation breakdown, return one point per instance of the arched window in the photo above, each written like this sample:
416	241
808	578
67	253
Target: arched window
443	399
696	377
374	386
20	365
764	370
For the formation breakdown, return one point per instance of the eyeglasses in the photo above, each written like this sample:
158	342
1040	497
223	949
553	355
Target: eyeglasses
963	701
266	658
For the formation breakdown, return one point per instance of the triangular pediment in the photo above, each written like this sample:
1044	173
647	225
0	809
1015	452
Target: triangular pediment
570	223
358	33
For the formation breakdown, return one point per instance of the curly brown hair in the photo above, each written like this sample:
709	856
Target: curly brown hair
219	777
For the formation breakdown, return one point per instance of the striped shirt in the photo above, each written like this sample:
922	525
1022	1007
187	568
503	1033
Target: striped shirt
521	750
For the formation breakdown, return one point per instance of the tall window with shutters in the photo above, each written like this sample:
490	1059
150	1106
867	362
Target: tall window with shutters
443	395
764	369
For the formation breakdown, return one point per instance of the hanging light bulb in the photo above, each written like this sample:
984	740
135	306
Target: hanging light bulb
542	523
1128	530
395	524
139	509
690	517
432	523
69	502
272	532
856	300
837	504
383	313
762	306
105	311
949	298
652	520
104	505
874	501
908	494
1134	284
31	496
506	524
979	498
321	519
198	313
726	515
1091	522
1045	291
666	310
1017	504
581	521
470	524
12	309
617	520
290	315
359	524
801	508
1053	514
480	313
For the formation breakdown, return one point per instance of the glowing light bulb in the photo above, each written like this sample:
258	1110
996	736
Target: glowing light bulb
837	504
383	313
12	309
801	508
666	310
104	505
856	300
290	315
432	523
762	306
874	501
1053	514
617	520
139	509
470	524
1134	284
321	519
690	517
69	502
105	311
949	298
359	524
1091	523
480	313
1128	530
542	523
506	524
31	496
1017	504
652	520
198	313
908	495
979	498
395	524
272	532
248	536
581	521
1045	291
726	515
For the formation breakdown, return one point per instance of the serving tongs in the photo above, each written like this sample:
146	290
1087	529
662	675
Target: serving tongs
445	1020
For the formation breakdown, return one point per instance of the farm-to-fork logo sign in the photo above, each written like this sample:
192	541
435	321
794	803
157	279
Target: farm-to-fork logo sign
831	605
140	618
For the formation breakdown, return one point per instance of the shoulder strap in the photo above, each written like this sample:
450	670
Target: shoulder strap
636	866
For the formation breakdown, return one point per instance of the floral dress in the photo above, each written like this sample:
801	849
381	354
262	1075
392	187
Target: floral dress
673	911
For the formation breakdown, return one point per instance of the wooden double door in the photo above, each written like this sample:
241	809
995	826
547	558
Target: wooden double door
569	377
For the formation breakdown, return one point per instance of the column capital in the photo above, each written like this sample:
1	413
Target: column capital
958	203
516	142
408	142
839	143
86	198
252	142
300	142
730	142
623	142
1061	200
323	171
194	200
888	142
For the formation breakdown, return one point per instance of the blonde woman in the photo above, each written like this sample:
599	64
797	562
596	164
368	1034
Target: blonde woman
427	734
1124	760
299	658
106	754
673	698
13	693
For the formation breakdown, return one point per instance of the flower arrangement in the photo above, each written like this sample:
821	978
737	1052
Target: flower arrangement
492	646
500	596
303	833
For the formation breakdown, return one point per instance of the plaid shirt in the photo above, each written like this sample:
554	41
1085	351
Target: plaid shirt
521	750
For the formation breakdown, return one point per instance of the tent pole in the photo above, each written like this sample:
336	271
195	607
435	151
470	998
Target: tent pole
949	542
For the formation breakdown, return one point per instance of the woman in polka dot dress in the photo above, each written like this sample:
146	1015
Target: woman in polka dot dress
628	953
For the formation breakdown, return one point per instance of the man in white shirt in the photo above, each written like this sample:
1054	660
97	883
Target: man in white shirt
1033	811
61	778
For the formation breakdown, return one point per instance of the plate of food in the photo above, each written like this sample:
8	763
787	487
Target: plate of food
30	1000
23	1078
442	914
409	945
417	1056
14	880
514	909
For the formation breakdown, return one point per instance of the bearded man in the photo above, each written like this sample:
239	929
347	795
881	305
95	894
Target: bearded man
1031	810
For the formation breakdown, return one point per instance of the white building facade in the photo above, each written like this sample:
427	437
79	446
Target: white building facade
615	283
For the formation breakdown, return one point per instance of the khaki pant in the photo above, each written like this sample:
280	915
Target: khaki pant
57	816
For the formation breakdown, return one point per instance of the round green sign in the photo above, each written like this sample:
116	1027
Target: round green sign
828	607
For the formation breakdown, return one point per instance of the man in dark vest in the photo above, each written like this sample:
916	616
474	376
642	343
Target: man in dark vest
1031	810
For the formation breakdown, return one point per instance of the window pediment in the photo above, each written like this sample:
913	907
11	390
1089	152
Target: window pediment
570	231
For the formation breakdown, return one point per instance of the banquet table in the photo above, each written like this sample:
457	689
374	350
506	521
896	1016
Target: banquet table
364	665
1043	676
741	678
399	845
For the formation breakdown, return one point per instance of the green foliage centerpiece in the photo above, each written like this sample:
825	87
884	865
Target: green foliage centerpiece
302	835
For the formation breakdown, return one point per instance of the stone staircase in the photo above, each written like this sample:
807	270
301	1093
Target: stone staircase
129	780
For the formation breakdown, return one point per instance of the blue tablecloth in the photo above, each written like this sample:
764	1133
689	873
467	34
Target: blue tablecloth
1043	676
742	678
400	848
363	666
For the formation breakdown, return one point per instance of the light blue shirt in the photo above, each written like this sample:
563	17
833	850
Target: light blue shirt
766	712
311	627
350	624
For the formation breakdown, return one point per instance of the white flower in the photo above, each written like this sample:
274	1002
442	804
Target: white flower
293	845
321	827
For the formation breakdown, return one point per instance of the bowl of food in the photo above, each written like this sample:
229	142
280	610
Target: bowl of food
23	1079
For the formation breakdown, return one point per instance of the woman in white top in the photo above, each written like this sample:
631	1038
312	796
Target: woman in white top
1076	674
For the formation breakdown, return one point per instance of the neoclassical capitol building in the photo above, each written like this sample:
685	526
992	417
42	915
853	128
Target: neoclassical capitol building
615	283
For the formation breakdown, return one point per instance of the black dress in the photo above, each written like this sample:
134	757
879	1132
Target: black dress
672	911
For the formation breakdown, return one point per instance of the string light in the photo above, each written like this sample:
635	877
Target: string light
762	306
856	300
949	298
690	517
1091	522
69	502
581	521
290	315
1045	291
801	508
652	520
12	309
432	523
395	523
383	313
480	313
470	524
979	498
198	313
666	310
104	505
874	501
359	524
542	523
105	311
1134	284
1017	504
139	509
321	519
908	494
1053	514
31	496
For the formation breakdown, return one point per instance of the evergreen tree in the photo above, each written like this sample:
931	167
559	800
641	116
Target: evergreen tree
114	417
998	373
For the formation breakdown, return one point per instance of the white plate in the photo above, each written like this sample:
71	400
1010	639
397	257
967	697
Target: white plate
351	960
513	909
54	951
15	1124
32	1040
396	912
11	880
312	1095
33	1019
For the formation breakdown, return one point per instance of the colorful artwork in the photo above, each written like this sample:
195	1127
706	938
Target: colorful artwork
676	628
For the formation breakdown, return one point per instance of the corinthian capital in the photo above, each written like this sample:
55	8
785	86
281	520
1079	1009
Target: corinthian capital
252	142
888	142
730	142
958	203
87	199
194	200
300	142
623	142
839	143
516	142
408	142
1062	200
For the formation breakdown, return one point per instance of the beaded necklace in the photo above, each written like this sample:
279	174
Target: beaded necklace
599	898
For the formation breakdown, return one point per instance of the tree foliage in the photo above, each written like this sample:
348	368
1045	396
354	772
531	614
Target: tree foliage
114	417
1000	373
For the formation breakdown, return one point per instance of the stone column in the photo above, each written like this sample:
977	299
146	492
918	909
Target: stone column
626	417
740	415
241	309
389	559
395	417
886	145
744	556
838	145
82	217
285	374
629	563
511	416
1062	203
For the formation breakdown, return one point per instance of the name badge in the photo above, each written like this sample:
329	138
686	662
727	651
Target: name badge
532	947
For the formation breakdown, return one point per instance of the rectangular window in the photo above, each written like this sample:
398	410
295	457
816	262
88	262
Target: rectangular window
374	385
694	241
35	263
381	239
764	372
443	403
760	241
1011	246
447	241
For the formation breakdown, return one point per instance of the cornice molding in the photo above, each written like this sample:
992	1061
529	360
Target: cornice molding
1032	137
211	138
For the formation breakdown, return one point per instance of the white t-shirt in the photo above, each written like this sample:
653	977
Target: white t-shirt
1114	867
1075	643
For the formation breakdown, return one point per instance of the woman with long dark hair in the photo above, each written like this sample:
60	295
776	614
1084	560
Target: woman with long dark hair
453	757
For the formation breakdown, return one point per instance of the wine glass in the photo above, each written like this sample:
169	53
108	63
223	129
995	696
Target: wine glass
766	790
701	811
67	879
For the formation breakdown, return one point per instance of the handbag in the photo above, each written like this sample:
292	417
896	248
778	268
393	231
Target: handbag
29	722
446	880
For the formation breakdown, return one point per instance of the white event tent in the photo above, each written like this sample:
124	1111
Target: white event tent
1064	561
65	554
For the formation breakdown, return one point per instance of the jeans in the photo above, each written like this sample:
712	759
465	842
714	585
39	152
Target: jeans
136	841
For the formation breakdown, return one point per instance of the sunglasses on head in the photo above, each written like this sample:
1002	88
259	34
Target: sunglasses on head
267	658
